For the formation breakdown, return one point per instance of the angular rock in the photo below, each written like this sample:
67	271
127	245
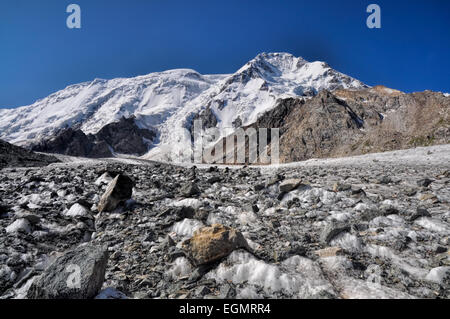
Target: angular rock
210	244
78	210
119	190
289	185
111	293
328	252
331	230
421	212
424	182
76	274
31	218
339	187
189	189
21	225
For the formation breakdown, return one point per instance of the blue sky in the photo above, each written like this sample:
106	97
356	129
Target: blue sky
40	55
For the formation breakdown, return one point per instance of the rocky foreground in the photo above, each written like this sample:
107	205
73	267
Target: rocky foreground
375	226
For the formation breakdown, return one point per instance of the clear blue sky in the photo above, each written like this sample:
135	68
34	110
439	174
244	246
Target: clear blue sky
40	55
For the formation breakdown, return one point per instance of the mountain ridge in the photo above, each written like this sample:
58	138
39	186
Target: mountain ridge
167	101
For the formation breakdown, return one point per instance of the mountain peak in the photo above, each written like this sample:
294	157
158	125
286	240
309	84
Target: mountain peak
166	101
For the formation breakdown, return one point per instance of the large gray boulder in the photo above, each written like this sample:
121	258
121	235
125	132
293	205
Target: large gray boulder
119	190
76	274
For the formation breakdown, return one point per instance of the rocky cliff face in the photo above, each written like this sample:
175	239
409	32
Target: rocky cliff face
354	122
123	137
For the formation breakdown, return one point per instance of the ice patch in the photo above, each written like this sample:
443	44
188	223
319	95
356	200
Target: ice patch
248	293
181	267
433	225
187	227
297	276
104	179
308	195
438	274
77	210
351	288
411	266
247	218
347	242
20	225
188	202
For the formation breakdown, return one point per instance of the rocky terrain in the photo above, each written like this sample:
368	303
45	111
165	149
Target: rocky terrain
373	226
13	156
354	122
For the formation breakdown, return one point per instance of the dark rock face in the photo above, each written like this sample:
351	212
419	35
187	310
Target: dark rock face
15	156
122	137
355	122
125	137
59	280
119	190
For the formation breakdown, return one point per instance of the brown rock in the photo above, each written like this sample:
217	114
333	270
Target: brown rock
212	243
328	252
119	190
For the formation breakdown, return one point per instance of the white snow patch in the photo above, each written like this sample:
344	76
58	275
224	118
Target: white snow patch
438	274
297	276
105	178
188	202
347	242
77	210
187	227
351	288
180	267
19	225
433	225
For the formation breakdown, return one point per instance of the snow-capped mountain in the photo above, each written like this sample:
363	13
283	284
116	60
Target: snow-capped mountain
167	101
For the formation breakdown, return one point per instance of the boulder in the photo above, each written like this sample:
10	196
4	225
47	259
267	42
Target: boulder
290	184
210	244
19	225
331	230
328	252
119	190
420	212
190	189
78	210
77	274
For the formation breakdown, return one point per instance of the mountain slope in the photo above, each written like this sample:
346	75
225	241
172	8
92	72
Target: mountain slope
166	102
354	122
242	97
91	105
